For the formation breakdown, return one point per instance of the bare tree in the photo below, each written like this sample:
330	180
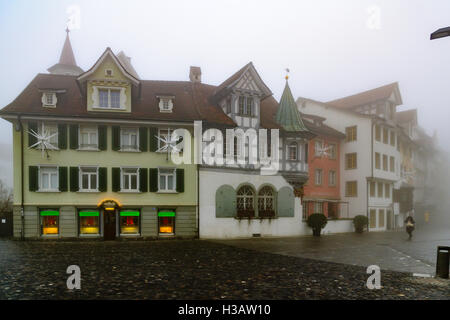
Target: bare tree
6	198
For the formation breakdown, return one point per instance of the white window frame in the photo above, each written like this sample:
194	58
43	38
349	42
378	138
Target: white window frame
169	132
42	127
90	129
96	97
41	170
317	176
332	173
166	180
288	147
246	107
89	180
321	146
165	104
46	103
137	139
122	180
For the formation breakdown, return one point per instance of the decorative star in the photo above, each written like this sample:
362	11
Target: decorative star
43	141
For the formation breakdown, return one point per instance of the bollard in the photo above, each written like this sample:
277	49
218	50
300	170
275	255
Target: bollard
443	262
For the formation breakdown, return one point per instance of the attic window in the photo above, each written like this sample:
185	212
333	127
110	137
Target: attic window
165	104
108	72
49	99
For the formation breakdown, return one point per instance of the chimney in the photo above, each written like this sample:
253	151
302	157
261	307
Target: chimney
195	74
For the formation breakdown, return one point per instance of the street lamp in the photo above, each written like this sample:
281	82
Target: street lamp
440	33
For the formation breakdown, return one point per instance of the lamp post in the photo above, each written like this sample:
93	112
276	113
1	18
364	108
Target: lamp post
440	33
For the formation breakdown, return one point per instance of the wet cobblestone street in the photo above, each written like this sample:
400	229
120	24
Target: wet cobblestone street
189	269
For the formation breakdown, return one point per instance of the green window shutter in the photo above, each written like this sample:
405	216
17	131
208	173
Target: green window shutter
285	202
62	136
102	144
143	179
143	139
180	180
153	139
32	126
33	178
74	174
102	179
116	138
73	136
153	179
116	179
62	172
225	202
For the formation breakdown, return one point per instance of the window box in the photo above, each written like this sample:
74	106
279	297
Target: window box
266	214
246	214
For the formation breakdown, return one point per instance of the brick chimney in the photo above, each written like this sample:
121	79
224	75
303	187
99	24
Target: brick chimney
195	74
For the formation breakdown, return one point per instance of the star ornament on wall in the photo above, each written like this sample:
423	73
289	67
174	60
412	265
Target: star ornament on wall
168	145
323	151
43	141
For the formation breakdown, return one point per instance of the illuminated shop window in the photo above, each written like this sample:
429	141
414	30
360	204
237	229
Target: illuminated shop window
129	222
89	222
49	222
166	220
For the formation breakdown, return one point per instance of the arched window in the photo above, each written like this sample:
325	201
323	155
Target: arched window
245	201
266	206
292	151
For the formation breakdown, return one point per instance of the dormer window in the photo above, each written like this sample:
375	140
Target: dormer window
49	99
109	97
165	103
246	106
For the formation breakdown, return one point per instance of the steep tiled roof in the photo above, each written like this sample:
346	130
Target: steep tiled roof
287	114
365	97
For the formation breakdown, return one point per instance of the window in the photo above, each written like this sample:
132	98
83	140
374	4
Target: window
292	151
266	202
245	198
392	164
318	177
129	222
228	105
385	162
318	207
49	99
166	180
332	178
245	106
129	179
165	135
89	178
48	179
377	133
373	218
50	131
318	147
372	189
351	189
332	150
377	161
380	190
89	221
109	98
165	103
350	132
387	191
385	135
393	138
380	218
166	222
108	72
88	137
129	139
49	222
350	160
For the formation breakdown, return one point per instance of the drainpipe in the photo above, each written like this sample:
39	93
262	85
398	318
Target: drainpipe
198	201
22	209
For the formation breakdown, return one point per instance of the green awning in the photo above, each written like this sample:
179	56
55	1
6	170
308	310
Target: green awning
129	213
49	213
89	213
166	214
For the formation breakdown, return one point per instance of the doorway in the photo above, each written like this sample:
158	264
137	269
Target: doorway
110	225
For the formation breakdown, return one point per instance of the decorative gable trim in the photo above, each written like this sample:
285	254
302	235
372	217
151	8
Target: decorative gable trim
105	54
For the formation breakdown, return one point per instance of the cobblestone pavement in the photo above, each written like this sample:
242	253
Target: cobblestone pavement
389	250
189	269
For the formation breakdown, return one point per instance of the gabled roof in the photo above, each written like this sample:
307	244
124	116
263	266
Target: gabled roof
229	83
369	96
106	53
287	114
320	129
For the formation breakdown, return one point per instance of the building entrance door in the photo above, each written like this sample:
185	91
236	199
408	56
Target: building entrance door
109	222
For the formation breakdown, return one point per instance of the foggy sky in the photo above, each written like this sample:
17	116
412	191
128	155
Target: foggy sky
331	47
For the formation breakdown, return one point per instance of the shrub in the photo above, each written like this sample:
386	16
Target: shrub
360	223
317	221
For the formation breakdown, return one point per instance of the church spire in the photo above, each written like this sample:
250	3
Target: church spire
287	114
67	63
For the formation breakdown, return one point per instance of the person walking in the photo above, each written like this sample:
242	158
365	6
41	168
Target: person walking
410	224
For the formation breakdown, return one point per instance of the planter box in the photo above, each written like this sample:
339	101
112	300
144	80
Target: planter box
266	214
246	213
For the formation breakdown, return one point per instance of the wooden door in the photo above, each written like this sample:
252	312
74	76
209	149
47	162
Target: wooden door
109	222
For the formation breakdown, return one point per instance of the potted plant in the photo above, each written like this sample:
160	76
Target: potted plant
360	222
317	221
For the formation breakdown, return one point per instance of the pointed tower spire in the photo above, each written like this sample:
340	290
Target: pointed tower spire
287	114
67	63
